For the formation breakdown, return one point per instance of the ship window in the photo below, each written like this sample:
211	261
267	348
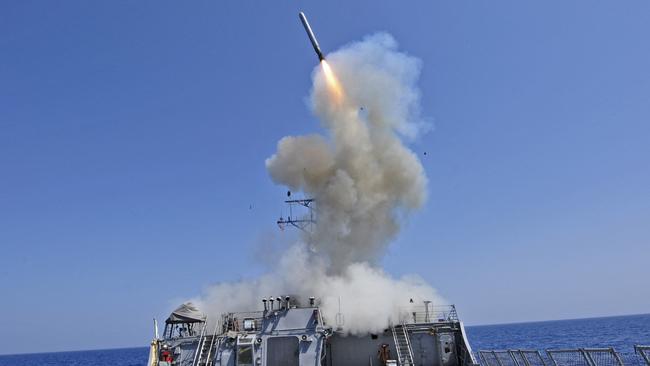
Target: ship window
282	351
249	325
244	355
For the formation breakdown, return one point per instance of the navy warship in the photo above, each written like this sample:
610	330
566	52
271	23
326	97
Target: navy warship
289	333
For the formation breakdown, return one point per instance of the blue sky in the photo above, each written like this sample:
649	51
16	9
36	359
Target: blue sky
132	132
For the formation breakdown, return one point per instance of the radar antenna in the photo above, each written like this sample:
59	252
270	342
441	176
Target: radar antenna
304	222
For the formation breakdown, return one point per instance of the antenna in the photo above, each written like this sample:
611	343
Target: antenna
340	319
304	222
155	328
426	311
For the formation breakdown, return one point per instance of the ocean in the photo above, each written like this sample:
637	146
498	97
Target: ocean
620	332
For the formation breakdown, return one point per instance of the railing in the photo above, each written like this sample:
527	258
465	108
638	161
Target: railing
532	358
235	321
427	314
403	345
199	345
512	358
183	330
644	352
213	341
585	357
566	357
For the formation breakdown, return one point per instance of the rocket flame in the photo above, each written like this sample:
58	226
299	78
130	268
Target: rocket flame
332	82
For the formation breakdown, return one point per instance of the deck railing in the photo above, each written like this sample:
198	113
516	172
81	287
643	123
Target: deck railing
643	352
585	357
566	357
512	358
428	314
237	321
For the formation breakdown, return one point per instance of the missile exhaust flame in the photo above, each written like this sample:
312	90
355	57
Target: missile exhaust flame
332	82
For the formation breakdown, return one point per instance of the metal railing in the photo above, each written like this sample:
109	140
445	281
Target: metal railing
533	358
489	358
644	352
566	357
199	344
585	357
512	358
428	314
603	356
235	321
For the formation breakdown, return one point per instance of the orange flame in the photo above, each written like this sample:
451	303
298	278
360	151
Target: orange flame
332	82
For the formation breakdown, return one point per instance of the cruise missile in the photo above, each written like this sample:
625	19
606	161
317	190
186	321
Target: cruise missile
312	37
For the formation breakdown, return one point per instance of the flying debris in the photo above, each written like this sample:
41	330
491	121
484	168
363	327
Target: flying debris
312	37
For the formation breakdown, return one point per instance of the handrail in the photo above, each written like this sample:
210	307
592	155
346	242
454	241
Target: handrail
399	356
214	336
644	351
201	340
403	359
593	356
408	343
428	314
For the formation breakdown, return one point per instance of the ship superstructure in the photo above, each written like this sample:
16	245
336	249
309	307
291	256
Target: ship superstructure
288	334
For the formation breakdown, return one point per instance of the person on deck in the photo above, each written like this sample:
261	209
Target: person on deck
383	354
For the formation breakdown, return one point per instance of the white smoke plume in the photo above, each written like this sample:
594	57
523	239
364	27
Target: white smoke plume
364	181
370	298
362	177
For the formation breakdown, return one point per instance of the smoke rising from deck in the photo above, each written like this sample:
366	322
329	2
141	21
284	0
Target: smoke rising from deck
364	181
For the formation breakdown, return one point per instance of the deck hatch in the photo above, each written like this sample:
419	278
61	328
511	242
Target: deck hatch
282	351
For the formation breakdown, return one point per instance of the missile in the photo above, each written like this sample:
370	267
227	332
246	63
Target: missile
312	37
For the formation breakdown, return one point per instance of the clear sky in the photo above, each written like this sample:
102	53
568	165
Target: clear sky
133	137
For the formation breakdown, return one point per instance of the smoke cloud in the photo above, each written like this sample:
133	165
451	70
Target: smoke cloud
364	181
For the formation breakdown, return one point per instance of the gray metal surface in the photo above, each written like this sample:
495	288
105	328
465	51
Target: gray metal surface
290	335
283	351
351	350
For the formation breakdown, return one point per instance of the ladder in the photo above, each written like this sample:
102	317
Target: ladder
204	354
403	345
207	353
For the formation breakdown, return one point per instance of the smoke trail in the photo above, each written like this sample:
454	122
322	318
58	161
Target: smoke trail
363	179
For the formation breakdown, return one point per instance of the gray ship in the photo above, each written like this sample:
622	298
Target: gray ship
286	333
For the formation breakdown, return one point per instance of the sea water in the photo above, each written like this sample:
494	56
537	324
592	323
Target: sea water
620	332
